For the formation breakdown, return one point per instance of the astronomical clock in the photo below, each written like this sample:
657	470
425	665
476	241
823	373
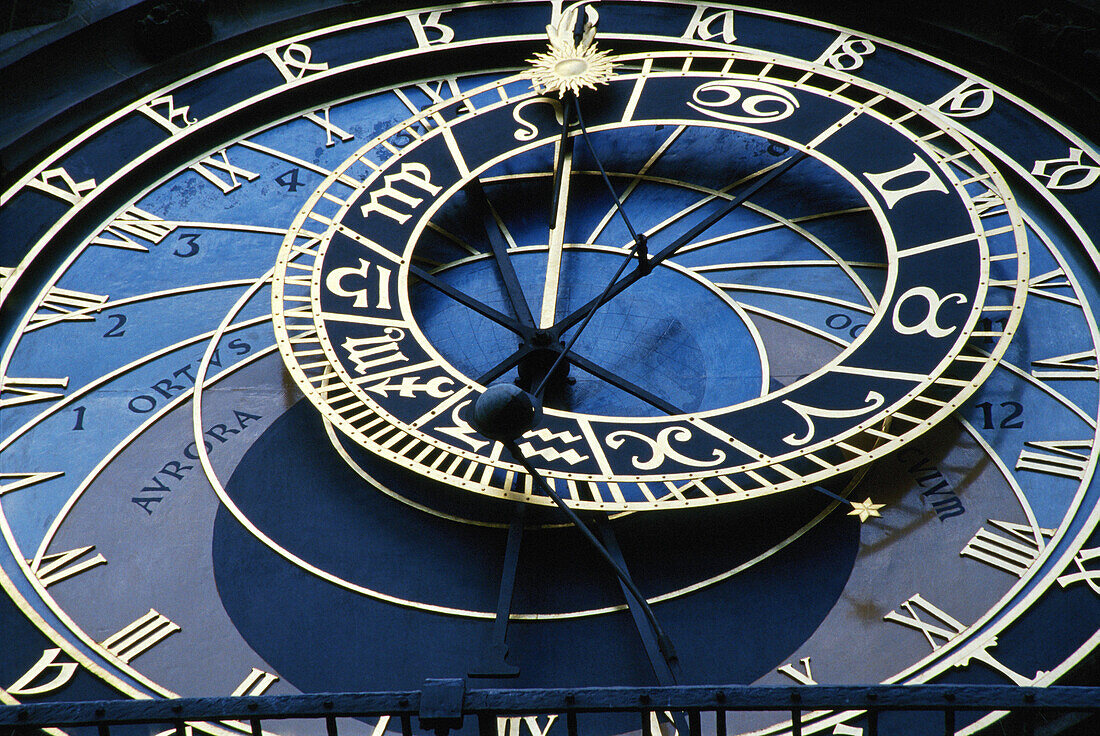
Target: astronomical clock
803	319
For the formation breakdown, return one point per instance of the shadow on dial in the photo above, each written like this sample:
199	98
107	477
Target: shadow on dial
321	635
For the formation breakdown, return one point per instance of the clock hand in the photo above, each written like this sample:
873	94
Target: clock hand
667	653
668	659
475	194
645	265
639	239
563	171
493	662
617	286
505	365
669	673
504	412
618	382
475	304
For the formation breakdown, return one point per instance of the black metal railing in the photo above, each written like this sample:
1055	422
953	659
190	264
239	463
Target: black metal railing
443	705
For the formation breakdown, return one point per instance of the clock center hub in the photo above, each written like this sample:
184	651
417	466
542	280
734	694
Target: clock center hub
671	334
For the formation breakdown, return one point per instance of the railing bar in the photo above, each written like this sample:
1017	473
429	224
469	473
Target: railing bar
104	729
570	723
181	728
694	727
720	722
647	725
1029	722
872	723
796	722
949	722
330	725
406	724
254	723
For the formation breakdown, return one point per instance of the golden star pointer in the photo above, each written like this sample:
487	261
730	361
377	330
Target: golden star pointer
865	510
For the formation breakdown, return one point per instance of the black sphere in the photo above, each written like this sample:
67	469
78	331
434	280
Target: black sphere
505	411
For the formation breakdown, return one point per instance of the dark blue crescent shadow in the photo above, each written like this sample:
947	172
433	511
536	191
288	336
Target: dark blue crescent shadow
320	637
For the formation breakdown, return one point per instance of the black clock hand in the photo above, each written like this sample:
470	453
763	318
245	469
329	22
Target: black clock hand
667	661
493	663
669	673
505	365
475	304
616	381
475	195
617	286
645	265
639	240
505	412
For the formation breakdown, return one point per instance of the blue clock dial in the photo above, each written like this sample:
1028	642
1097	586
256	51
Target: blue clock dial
246	317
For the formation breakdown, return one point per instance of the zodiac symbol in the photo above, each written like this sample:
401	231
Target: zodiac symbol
874	401
662	448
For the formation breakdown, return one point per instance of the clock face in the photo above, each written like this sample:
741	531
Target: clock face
836	421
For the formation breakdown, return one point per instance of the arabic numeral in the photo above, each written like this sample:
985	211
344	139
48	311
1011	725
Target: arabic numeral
192	245
1010	417
289	179
116	329
79	426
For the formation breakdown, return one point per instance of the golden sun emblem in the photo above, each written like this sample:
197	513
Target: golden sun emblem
568	65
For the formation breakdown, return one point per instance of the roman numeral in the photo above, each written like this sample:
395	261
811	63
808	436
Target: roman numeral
256	683
140	636
803	676
29	390
137	222
66	304
1074	365
516	725
1013	553
940	627
1044	284
329	127
203	169
1057	457
917	608
62	565
17	481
